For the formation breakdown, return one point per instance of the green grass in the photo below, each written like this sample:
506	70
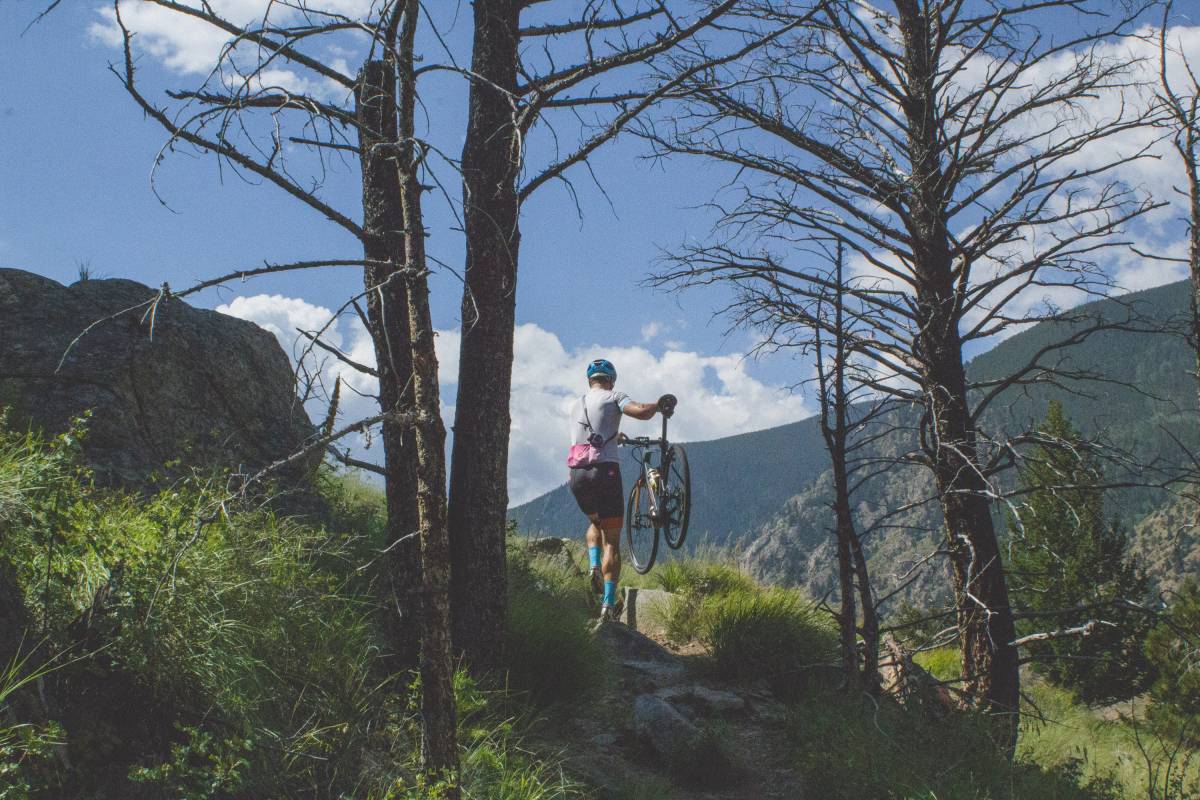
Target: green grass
245	658
767	634
943	663
1101	749
549	651
753	632
702	578
851	747
693	582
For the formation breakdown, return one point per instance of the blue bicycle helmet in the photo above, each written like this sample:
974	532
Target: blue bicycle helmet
603	367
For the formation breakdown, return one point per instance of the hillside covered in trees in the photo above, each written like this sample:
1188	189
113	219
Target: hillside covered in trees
764	496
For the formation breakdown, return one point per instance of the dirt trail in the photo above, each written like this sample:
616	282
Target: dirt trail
660	704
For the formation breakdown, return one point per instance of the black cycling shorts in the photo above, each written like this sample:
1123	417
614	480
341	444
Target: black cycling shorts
598	490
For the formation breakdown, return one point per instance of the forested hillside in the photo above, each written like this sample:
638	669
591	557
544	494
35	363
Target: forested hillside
766	494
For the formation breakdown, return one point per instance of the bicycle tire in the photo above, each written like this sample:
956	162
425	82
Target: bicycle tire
677	497
641	534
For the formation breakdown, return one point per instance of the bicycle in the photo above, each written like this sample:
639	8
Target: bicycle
661	497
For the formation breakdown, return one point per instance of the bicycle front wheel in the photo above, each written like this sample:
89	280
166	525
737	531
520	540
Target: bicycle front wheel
641	532
677	497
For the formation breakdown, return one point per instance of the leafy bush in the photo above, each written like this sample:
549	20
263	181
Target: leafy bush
549	651
238	659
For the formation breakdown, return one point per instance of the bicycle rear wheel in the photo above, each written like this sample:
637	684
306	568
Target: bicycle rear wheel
641	532
677	497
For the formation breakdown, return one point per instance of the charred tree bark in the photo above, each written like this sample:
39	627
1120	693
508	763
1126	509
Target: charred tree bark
387	316
985	622
439	746
1193	171
847	614
1183	115
869	675
479	466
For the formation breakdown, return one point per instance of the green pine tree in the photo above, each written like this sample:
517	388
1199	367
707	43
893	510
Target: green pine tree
1173	648
1066	554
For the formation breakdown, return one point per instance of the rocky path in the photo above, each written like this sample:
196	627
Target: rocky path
664	729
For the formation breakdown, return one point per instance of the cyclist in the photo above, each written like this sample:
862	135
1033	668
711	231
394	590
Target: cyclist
596	419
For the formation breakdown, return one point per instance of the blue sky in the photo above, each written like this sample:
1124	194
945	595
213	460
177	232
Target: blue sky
76	189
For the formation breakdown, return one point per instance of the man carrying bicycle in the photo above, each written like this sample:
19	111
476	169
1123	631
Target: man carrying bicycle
595	475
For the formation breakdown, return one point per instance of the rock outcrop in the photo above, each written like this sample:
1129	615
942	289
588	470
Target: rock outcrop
664	721
205	390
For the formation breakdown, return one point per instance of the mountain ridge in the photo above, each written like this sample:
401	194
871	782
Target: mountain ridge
763	494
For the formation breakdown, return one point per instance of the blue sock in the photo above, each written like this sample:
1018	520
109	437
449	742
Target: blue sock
594	557
610	593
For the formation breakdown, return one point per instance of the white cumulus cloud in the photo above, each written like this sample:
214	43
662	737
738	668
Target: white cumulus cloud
717	395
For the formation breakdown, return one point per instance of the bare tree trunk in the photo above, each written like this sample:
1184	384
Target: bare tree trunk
387	318
847	615
439	746
985	623
870	624
479	466
1193	169
833	404
852	564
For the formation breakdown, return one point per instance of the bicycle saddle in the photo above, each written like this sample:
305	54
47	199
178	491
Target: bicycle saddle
667	403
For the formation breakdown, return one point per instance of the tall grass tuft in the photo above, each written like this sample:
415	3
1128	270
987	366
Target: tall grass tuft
549	650
768	634
943	663
693	582
753	632
703	578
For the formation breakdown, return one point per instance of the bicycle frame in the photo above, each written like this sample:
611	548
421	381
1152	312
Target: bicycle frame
645	456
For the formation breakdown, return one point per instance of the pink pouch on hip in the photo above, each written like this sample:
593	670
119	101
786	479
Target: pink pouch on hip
582	455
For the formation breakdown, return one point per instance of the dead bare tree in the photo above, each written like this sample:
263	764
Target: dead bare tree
1181	106
839	419
376	122
520	96
853	417
955	149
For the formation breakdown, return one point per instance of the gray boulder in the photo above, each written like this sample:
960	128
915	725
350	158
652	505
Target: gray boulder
207	391
644	664
661	725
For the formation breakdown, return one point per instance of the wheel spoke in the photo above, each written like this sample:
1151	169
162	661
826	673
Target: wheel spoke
641	532
677	497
